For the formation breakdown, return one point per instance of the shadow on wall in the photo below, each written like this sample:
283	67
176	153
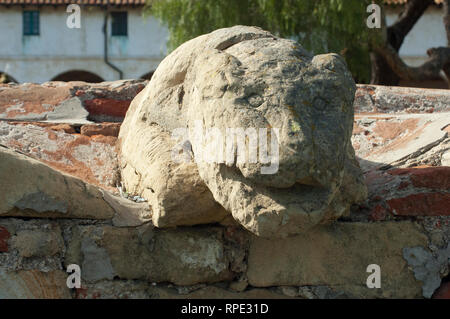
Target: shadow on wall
6	78
78	75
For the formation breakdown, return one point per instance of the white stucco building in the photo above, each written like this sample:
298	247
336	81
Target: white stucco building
37	45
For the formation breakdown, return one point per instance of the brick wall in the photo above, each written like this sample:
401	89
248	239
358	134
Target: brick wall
401	139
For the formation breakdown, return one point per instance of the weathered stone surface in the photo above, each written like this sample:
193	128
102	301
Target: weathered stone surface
38	243
92	159
182	256
30	101
33	284
34	244
118	289
445	158
244	77
404	139
141	290
32	189
128	213
428	268
175	191
212	292
68	102
337	256
238	286
393	99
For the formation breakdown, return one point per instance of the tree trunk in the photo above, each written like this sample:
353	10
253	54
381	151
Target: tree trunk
382	73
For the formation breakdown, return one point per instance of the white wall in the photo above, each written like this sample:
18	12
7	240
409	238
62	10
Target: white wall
428	32
59	49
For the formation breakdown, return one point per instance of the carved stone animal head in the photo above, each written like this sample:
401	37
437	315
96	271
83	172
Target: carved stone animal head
267	128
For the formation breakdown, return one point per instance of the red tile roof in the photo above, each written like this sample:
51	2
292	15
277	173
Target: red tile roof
397	2
80	2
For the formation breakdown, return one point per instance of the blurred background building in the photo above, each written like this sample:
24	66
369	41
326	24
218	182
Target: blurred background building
38	46
428	32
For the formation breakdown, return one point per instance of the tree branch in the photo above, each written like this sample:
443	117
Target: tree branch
447	20
437	67
430	70
414	9
446	67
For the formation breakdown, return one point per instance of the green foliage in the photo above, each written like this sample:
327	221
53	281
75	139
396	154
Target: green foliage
319	25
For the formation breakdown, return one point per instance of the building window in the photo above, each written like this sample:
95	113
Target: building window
119	23
31	23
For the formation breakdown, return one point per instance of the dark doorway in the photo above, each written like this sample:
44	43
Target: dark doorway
77	75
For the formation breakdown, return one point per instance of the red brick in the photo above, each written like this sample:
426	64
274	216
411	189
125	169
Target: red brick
111	107
423	204
106	129
443	292
428	177
4	236
376	177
